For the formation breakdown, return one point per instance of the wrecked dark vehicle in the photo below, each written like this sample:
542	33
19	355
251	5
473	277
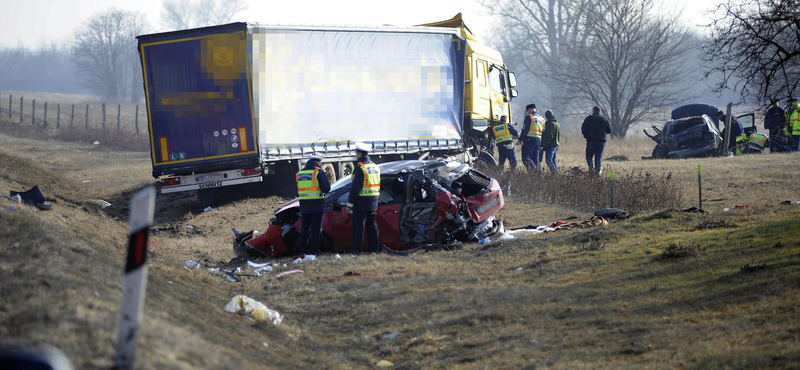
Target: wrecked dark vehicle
693	131
422	204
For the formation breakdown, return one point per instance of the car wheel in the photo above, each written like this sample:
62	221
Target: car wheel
660	151
329	171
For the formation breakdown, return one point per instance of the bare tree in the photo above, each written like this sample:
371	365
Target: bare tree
104	53
631	62
182	14
755	47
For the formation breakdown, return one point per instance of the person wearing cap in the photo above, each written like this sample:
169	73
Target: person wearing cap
531	137
736	129
792	115
504	135
312	185
365	189
550	140
595	128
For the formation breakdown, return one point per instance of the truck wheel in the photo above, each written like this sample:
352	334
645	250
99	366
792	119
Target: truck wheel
347	169
329	171
660	151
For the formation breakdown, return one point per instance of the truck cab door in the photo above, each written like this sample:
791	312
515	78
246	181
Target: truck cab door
748	121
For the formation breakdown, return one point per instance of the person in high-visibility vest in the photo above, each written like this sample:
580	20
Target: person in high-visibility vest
756	143
365	189
531	137
504	135
741	144
793	123
312	185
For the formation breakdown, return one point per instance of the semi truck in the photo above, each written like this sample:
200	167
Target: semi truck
244	103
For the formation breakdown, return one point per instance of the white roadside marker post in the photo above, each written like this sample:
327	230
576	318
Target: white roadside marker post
142	207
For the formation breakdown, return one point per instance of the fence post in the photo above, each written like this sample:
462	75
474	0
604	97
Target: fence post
9	106
45	114
72	116
33	113
87	117
58	116
104	117
20	108
119	107
136	119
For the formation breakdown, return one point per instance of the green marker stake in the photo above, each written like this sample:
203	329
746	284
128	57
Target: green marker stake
612	189
700	186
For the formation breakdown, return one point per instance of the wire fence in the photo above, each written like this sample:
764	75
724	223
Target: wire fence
123	118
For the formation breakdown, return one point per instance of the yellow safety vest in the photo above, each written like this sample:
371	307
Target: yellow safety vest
537	126
502	134
372	180
758	140
307	185
793	121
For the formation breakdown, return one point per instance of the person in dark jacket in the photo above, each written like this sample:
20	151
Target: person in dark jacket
365	189
550	140
736	129
594	130
504	135
774	119
312	185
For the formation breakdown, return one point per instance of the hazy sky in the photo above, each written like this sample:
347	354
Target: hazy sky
31	22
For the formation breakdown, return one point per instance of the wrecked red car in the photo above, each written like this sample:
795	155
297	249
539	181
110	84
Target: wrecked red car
422	204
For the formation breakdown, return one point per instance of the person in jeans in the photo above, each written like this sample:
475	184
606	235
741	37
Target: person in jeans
550	140
594	130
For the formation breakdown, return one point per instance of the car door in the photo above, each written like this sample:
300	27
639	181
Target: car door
419	213
748	121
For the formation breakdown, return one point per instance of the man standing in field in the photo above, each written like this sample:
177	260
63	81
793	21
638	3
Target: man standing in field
594	130
531	137
312	185
793	123
550	140
365	188
775	122
504	135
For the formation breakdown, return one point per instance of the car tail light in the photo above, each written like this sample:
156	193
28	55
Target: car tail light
171	181
251	171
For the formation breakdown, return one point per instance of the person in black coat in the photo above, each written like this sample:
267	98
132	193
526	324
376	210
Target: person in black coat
312	210
364	202
594	130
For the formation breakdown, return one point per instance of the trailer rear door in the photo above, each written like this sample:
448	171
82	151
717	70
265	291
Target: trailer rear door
199	98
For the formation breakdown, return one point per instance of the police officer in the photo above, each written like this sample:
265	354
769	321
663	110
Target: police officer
365	188
504	135
793	123
312	185
531	137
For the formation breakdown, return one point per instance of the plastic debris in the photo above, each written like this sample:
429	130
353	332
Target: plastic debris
485	240
305	258
384	363
208	209
259	268
96	143
289	273
190	227
284	265
337	257
13	208
253	310
790	202
391	335
191	265
99	202
506	236
213	269
519	268
231	277
726	209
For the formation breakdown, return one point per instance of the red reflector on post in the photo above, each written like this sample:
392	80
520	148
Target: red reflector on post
251	171
171	181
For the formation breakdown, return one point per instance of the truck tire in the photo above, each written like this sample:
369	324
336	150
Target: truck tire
347	169
329	171
660	151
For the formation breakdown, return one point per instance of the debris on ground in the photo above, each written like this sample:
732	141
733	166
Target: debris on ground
790	202
289	273
304	258
191	265
259	268
391	335
611	214
32	197
99	202
208	209
594	221
506	236
384	363
253	310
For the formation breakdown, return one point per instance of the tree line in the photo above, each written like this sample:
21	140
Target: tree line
101	57
635	58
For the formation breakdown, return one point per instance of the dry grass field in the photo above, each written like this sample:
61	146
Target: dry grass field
662	290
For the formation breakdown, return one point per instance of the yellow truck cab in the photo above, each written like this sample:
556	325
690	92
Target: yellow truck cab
489	84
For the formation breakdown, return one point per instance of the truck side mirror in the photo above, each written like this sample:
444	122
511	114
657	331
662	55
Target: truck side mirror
512	80
514	93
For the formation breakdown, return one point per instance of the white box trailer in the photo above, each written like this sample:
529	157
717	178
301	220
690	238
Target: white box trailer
230	104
